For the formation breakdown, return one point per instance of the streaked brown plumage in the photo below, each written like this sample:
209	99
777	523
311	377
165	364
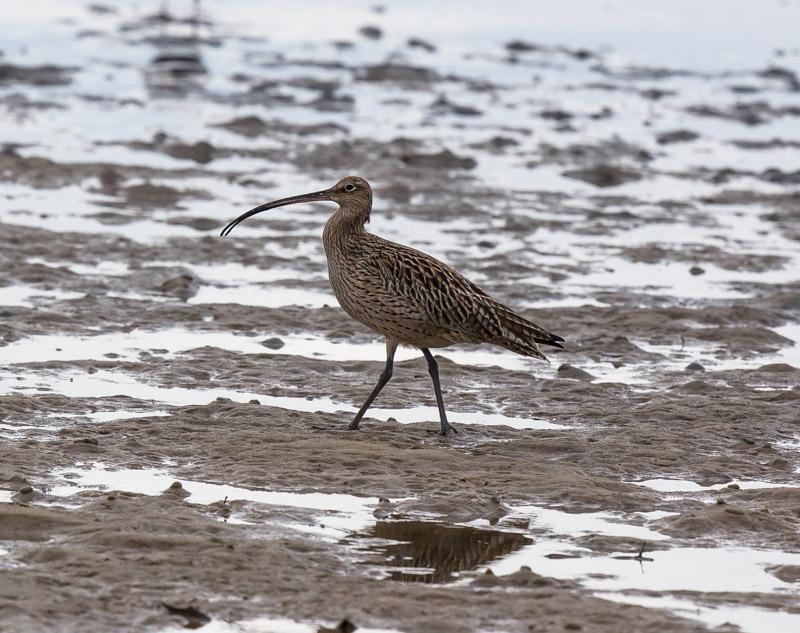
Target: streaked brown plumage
406	295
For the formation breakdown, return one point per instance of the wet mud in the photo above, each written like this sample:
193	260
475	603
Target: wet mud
173	404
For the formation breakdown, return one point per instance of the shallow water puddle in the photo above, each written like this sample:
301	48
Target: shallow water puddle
685	485
428	552
262	296
236	274
123	414
724	569
748	619
27	296
105	384
171	341
128	346
110	268
433	552
269	625
558	522
16	431
341	512
122	345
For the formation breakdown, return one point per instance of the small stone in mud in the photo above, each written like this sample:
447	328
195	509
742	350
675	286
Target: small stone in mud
603	175
200	152
695	366
519	46
182	287
371	32
556	115
273	343
176	488
194	617
575	373
696	270
676	136
254	401
345	626
26	490
415	42
444	106
399	73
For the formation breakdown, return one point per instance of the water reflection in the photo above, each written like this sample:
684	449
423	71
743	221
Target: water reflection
434	552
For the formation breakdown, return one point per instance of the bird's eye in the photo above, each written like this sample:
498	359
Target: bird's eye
350	187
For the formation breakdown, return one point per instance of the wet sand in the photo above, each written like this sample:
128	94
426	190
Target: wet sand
162	388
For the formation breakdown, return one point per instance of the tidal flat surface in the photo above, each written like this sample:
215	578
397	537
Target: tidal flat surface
172	404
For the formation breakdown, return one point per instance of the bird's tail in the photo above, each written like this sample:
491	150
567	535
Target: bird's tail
523	336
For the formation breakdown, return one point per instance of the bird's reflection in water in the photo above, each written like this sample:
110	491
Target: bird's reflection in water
435	552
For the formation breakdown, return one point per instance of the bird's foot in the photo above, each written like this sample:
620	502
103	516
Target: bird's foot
353	426
448	431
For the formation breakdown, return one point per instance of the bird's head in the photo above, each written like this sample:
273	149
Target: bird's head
351	192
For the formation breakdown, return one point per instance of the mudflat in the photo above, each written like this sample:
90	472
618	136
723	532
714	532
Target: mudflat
173	404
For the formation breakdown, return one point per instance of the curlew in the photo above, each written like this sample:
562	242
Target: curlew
406	295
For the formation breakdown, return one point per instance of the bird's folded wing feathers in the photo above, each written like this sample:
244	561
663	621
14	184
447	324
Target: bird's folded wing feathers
434	295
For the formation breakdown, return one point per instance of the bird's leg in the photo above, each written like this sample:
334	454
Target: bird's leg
386	374
433	370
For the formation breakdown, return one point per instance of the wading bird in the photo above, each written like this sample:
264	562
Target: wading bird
406	295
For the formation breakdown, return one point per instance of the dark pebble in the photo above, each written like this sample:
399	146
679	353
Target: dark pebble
416	42
273	343
371	32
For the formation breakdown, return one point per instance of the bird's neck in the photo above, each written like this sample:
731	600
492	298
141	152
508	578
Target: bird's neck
346	222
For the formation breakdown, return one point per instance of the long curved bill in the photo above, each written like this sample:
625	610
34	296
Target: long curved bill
306	197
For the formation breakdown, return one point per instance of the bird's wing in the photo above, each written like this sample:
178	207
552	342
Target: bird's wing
434	293
431	293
